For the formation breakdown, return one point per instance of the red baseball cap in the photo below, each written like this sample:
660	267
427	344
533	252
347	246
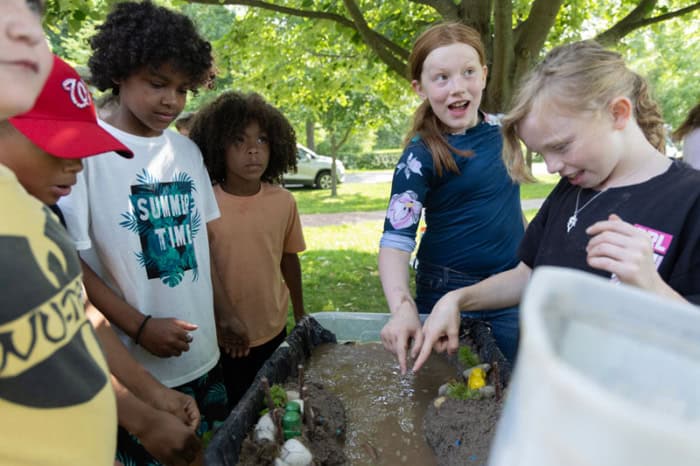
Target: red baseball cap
63	121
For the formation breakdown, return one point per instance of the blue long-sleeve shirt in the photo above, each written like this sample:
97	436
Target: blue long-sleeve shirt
473	219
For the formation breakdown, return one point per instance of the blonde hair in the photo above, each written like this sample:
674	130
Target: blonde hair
585	77
691	122
425	123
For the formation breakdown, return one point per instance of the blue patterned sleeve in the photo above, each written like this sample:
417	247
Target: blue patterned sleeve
409	188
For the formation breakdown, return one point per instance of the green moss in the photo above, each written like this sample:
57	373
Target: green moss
460	391
279	397
467	357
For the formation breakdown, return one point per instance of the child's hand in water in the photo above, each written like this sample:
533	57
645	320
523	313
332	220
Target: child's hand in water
403	327
232	334
440	329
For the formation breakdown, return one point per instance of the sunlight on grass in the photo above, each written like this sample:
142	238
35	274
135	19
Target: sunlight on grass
352	197
368	197
340	268
539	190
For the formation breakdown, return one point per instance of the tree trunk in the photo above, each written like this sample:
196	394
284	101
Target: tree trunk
310	142
334	155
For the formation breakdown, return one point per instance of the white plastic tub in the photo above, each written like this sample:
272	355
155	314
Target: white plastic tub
354	326
607	375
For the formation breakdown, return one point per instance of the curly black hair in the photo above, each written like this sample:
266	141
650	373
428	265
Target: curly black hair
219	123
141	34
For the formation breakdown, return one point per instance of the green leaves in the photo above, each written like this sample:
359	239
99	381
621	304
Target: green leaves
309	58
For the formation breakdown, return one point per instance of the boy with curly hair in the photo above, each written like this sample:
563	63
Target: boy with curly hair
247	146
140	226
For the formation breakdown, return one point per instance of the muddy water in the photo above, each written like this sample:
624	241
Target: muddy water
384	409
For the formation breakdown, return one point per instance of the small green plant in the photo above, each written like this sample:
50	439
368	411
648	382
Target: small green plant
279	397
460	391
467	357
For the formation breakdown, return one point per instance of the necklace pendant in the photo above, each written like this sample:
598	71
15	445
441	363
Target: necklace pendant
571	223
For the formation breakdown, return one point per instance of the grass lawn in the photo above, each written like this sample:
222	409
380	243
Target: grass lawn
352	197
367	197
339	267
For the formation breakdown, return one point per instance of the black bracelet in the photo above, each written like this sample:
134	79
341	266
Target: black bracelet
141	327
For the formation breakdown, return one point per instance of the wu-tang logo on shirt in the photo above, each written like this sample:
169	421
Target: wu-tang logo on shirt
165	217
47	346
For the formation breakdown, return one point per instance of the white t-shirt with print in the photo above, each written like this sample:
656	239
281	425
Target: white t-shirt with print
141	225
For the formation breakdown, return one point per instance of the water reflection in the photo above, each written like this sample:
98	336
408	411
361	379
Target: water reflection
384	409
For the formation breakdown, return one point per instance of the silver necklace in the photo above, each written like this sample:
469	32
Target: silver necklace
574	217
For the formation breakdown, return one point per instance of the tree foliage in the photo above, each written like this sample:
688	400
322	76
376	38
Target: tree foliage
310	56
515	32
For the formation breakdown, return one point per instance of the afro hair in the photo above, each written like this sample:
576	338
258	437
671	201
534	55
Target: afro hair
140	34
222	121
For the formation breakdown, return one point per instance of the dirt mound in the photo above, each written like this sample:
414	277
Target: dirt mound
460	431
324	439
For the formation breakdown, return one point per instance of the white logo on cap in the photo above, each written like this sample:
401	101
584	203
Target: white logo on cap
79	94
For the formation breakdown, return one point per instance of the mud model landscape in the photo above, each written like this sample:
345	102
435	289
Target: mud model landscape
377	417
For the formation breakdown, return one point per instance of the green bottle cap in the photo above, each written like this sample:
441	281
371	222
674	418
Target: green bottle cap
293	406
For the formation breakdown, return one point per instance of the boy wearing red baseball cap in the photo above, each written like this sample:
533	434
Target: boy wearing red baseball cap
54	380
44	147
51	139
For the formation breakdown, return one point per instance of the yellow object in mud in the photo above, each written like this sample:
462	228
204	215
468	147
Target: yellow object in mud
477	378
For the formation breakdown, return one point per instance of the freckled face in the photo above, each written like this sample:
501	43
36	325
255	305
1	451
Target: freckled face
150	100
25	59
453	80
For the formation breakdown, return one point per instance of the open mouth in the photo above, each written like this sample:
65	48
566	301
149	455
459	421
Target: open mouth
459	105
575	177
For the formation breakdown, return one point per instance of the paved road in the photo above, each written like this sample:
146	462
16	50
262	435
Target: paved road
374	176
318	220
381	176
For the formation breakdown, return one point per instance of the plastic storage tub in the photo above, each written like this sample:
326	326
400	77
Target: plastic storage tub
607	375
319	328
354	326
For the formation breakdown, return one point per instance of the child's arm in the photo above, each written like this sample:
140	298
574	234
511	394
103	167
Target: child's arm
135	377
163	337
231	331
404	326
162	434
441	328
164	420
291	271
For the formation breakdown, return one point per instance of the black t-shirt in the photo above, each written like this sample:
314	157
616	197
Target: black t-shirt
667	206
